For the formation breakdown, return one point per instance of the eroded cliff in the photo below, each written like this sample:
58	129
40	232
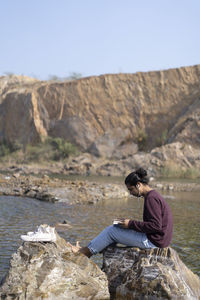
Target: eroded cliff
87	110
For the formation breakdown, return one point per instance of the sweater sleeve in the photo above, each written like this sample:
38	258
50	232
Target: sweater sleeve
152	217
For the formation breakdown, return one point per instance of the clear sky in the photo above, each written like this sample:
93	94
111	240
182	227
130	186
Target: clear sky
92	37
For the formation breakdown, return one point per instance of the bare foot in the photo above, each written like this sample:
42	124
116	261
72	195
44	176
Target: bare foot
76	248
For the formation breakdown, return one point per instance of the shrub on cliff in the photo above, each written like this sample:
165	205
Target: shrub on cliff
62	149
142	140
163	138
50	149
7	148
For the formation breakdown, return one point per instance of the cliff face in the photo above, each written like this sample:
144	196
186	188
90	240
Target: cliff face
85	110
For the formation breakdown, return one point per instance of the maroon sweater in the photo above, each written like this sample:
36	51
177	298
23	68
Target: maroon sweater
157	220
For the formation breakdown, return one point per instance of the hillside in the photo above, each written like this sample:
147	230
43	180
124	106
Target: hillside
100	114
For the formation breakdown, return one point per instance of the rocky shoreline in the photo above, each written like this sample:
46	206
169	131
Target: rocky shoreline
39	183
49	189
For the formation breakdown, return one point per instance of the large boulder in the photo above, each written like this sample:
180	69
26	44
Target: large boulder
52	271
180	154
149	274
114	143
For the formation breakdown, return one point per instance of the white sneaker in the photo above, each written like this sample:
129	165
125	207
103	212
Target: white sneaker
30	233
44	233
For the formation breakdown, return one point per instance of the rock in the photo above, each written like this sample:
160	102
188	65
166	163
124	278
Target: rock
159	185
16	175
74	129
63	226
51	271
177	154
45	196
187	126
114	144
31	194
149	274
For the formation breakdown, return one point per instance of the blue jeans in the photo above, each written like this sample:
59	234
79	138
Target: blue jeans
114	234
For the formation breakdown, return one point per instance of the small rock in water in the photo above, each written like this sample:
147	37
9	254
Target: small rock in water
159	185
62	226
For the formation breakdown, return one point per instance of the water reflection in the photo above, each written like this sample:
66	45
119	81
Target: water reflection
19	215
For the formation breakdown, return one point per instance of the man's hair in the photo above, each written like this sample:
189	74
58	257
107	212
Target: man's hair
140	175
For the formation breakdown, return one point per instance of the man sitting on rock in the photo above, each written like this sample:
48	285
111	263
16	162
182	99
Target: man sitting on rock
154	231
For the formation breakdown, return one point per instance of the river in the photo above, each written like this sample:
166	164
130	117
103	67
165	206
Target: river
19	215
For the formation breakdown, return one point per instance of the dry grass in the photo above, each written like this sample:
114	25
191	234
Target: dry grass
172	170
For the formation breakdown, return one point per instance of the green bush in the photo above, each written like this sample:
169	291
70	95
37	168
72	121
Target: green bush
4	150
71	76
47	150
142	140
7	148
162	139
50	149
36	153
62	149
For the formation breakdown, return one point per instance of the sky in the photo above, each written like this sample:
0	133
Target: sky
44	38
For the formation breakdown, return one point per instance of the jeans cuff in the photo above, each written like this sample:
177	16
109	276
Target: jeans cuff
92	250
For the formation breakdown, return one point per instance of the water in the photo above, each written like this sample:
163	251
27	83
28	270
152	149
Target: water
19	215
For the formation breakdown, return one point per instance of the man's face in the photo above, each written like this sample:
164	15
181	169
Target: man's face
132	190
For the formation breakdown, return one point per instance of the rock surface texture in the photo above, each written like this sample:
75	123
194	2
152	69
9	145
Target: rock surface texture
51	271
149	274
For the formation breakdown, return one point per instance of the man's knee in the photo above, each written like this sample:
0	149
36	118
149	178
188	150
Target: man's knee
112	230
109	229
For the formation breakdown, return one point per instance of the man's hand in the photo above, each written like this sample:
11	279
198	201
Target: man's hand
124	223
